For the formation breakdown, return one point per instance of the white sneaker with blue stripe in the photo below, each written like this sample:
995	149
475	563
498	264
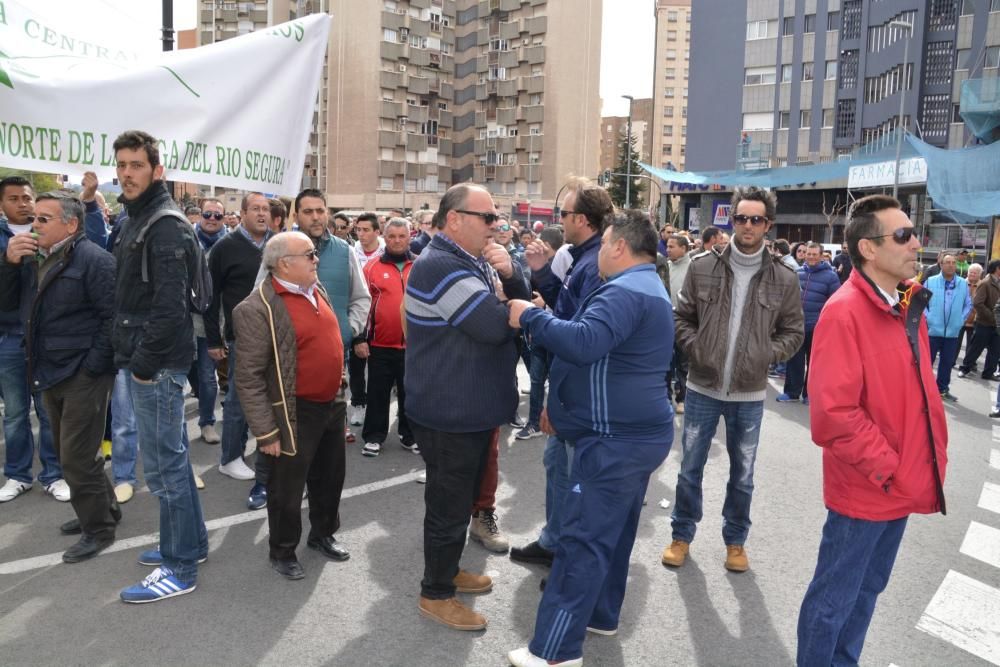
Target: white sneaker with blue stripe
159	585
155	558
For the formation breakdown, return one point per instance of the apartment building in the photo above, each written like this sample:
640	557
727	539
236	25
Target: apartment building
420	94
614	130
670	84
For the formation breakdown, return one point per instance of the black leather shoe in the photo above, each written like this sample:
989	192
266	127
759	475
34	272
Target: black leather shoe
532	553
88	547
289	569
328	547
72	527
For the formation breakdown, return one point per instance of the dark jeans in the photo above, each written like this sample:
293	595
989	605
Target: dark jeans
385	369
983	338
18	439
948	347
234	423
318	465
208	385
455	464
77	408
797	369
679	373
853	567
538	371
356	372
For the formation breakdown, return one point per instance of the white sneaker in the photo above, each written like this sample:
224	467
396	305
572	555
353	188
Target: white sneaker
12	489
357	415
209	435
199	483
371	449
59	490
422	477
523	657
124	492
237	469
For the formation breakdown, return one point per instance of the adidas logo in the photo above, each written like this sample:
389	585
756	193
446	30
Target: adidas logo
576	489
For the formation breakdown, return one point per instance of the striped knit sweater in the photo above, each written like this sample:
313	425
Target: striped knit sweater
461	353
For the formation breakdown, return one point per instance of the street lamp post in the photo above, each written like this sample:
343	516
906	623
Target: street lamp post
402	127
531	146
902	100
628	155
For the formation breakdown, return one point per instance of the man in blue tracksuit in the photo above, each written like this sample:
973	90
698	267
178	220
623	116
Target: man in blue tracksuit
950	305
609	397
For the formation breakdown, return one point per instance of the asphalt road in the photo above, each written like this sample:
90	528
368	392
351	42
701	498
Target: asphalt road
942	606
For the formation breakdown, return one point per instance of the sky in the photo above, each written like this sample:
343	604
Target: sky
627	39
627	42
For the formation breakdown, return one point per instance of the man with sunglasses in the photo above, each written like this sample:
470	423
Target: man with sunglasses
459	384
738	312
209	231
876	412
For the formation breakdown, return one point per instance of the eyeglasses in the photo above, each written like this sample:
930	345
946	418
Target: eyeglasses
208	215
488	218
563	213
901	236
754	220
44	219
341	228
502	228
312	254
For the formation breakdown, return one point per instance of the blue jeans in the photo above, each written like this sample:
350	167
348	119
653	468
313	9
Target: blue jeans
948	347
124	435
234	423
538	371
853	567
558	462
20	443
208	385
159	414
701	419
797	369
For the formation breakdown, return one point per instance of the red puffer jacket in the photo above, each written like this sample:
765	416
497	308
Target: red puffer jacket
387	284
875	411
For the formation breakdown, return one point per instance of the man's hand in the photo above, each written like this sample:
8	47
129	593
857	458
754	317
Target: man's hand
544	424
517	307
21	246
361	349
537	254
274	449
217	353
499	259
537	299
89	186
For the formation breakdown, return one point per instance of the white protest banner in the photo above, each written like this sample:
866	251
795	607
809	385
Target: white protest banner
235	114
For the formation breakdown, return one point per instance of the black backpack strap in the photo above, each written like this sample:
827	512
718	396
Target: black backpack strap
141	238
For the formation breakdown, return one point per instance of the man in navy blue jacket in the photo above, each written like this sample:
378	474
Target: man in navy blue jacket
609	397
459	384
584	210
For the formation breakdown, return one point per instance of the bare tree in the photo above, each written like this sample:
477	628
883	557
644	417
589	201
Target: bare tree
832	214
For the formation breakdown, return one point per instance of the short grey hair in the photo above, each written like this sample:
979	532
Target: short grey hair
397	222
975	265
70	206
277	248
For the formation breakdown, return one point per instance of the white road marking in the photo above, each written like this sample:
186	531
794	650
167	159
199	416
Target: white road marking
989	499
26	564
965	613
982	543
995	459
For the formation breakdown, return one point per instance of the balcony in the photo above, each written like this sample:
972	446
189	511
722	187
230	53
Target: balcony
979	107
536	25
506	116
534	84
391	79
507	88
534	55
753	156
393	20
419	85
506	144
391	110
391	50
532	114
389	168
510	29
389	139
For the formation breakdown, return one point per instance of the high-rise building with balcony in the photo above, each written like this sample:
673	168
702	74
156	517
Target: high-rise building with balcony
670	84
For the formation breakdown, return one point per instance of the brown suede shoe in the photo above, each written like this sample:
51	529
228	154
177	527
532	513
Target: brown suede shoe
466	582
452	613
736	558
676	553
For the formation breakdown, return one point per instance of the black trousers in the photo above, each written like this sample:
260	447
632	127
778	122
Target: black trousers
983	338
385	369
356	373
455	464
77	408
318	465
679	372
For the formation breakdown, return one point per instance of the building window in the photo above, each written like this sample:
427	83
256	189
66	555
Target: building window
935	116
758	121
810	23
668	130
788	26
668	150
968	8
385	184
669	73
849	69
995	5
851	11
786	73
760	29
389	35
754	76
668	112
684	133
668	92
784	120
672	17
992	57
956	114
833	21
962	58
831	70
684	112
846	117
942	14
805	118
885	35
671	35
827	117
937	67
671	54
807	71
890	82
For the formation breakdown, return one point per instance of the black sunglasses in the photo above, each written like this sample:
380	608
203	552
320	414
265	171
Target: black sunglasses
488	218
901	236
754	220
208	215
563	213
312	254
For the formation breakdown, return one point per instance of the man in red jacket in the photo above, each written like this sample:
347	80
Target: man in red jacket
385	348
884	450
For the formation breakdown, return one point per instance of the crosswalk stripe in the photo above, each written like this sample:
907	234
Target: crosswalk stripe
982	542
995	459
989	499
965	613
